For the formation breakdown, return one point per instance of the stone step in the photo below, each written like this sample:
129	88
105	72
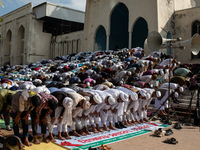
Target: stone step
187	101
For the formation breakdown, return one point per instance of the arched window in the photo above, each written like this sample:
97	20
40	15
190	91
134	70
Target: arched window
119	36
20	51
140	33
100	38
7	49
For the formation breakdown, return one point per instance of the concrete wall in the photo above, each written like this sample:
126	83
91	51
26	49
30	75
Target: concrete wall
67	44
183	27
13	21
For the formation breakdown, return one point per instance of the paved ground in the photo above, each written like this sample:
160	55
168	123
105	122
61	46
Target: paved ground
188	139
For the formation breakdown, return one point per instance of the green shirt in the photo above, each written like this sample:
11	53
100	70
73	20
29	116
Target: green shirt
3	96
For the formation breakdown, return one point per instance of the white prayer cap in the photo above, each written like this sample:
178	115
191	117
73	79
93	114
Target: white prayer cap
161	72
175	65
67	102
179	62
37	80
148	96
151	62
121	82
129	73
158	93
120	67
128	63
86	105
124	97
143	93
87	98
93	81
176	94
111	100
88	84
181	89
97	98
134	96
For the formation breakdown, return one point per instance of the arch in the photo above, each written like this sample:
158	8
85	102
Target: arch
7	49
140	33
119	20
20	45
100	38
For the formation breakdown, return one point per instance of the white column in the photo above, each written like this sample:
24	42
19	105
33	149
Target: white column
107	43
130	40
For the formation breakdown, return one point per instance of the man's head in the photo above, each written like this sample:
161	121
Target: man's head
52	104
35	100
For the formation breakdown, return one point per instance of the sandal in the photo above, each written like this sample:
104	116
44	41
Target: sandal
171	141
168	132
159	133
177	126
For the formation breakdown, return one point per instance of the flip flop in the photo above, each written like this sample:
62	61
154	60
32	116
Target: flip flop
168	132
171	141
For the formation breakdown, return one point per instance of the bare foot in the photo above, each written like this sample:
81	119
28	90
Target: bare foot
66	135
94	130
27	143
146	120
87	132
126	123
36	141
76	134
61	138
46	140
100	130
131	123
141	121
82	133
137	121
105	128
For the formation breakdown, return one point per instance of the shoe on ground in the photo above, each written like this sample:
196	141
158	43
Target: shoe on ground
121	124
159	133
168	132
8	128
177	126
118	126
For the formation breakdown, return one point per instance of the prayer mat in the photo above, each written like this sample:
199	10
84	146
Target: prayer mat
94	140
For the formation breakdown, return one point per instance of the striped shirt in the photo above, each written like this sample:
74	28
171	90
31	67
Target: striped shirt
44	102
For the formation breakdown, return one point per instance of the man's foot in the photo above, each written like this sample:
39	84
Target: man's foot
27	143
8	128
98	129
105	128
126	123
131	123
163	113
87	132
137	121
145	120
111	126
46	140
94	130
74	133
66	135
36	141
82	133
141	121
60	137
51	137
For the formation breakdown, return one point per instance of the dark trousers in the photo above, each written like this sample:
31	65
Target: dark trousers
33	117
6	117
24	125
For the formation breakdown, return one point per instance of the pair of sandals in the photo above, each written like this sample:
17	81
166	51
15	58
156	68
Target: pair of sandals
177	126
171	141
159	133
